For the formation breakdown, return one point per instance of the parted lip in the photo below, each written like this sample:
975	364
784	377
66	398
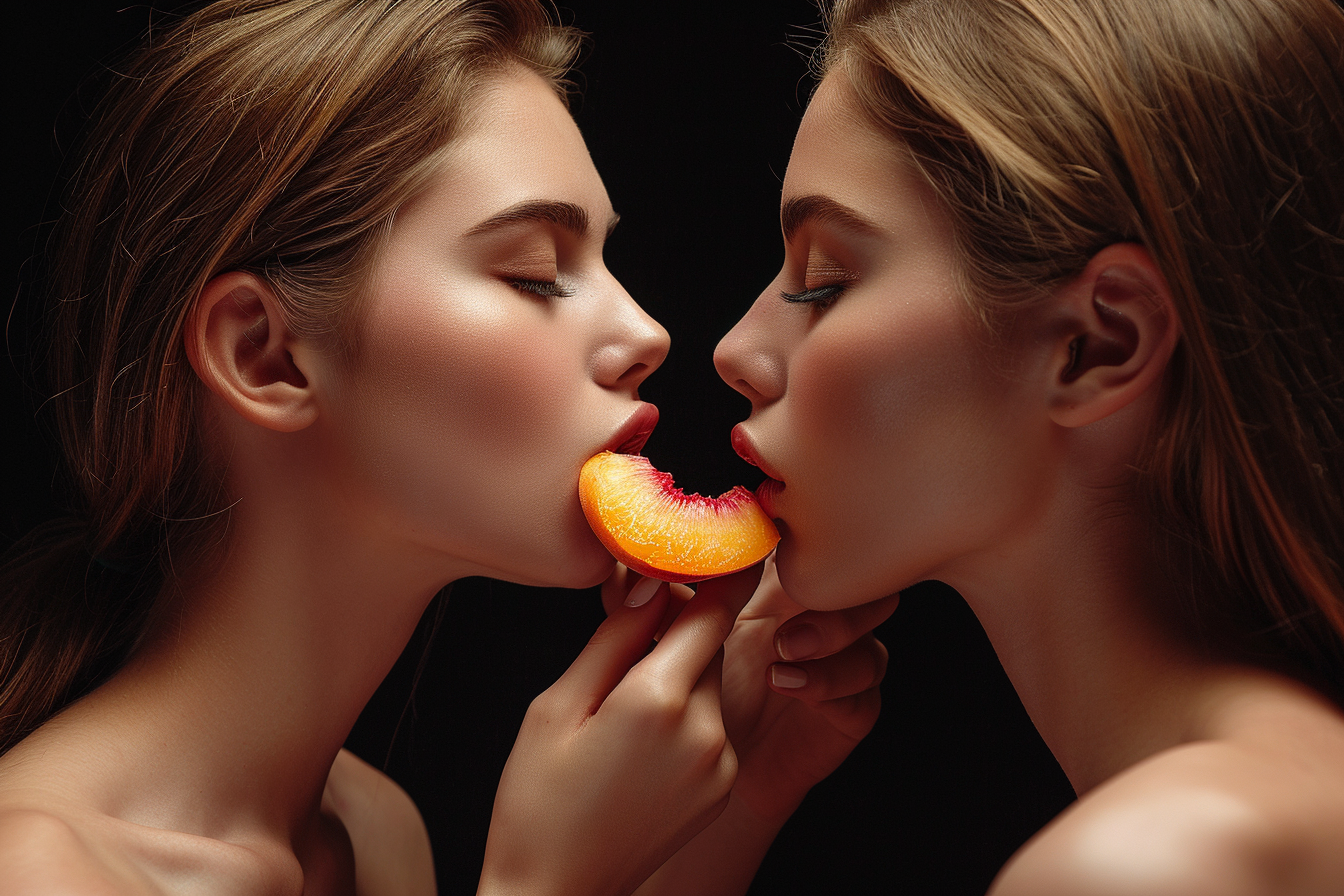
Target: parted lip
746	450
635	432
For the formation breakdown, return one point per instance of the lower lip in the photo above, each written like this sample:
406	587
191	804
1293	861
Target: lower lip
766	494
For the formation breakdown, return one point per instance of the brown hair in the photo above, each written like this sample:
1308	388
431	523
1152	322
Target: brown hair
270	136
1211	132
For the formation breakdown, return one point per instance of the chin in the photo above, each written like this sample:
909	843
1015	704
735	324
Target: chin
582	567
793	577
816	586
593	576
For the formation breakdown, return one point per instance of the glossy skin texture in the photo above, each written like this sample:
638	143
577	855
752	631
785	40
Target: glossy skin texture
494	355
447	444
909	448
887	415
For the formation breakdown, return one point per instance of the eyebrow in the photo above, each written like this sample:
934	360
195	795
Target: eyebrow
800	210
568	215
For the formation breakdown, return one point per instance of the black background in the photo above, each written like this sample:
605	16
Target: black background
689	111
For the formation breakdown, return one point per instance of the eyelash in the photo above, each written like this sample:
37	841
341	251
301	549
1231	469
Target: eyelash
821	297
546	288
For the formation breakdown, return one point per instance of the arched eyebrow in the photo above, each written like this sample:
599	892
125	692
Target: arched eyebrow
568	215
799	210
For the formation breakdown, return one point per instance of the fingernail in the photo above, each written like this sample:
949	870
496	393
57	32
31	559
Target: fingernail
798	643
643	592
787	676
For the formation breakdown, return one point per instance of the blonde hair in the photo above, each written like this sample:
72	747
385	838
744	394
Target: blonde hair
1211	132
270	136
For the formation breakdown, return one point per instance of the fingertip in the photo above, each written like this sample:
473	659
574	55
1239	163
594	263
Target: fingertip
798	642
737	587
787	677
643	592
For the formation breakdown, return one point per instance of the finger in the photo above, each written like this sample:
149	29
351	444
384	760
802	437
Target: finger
704	623
770	600
681	596
627	588
617	586
818	633
617	645
704	712
622	589
860	666
853	716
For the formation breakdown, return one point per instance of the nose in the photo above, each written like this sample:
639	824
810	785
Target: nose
634	344
748	360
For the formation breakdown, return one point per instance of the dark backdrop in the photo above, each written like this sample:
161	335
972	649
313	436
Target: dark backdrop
689	111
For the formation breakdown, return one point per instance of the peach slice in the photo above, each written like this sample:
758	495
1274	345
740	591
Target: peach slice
657	530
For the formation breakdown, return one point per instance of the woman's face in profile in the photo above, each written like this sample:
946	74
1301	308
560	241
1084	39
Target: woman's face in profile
903	445
494	354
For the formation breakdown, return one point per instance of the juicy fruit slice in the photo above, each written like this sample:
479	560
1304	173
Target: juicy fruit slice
657	530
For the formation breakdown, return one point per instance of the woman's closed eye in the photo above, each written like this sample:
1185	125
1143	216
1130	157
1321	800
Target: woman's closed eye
820	296
550	289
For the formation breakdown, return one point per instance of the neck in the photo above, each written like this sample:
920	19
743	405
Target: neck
1079	615
227	719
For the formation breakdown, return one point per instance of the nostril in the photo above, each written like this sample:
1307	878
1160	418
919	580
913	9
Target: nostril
745	388
639	370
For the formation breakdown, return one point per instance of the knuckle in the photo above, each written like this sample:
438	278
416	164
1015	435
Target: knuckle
728	767
706	735
547	708
660	701
881	658
712	741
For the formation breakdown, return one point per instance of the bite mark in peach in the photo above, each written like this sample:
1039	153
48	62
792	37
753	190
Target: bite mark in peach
657	530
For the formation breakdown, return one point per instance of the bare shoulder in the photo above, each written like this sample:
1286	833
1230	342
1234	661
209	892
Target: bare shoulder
43	854
391	844
1205	818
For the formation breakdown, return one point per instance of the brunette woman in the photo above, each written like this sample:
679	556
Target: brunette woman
1060	324
332	329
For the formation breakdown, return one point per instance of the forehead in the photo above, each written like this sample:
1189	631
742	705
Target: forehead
840	154
518	144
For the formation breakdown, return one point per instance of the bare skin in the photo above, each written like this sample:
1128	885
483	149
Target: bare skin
494	355
906	448
208	761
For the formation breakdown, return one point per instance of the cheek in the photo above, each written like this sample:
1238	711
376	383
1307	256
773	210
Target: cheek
453	405
897	425
870	387
478	374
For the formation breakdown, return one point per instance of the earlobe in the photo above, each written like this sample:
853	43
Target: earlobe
240	347
1119	329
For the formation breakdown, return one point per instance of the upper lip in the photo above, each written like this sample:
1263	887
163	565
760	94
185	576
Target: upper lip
632	435
746	450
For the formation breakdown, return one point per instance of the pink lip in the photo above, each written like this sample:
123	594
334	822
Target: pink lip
767	491
746	450
635	432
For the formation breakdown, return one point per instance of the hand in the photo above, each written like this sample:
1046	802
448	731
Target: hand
793	723
623	760
790	724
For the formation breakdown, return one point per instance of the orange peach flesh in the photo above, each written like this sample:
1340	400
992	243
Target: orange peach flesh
657	530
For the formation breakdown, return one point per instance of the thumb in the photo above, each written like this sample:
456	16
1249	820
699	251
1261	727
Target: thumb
699	630
620	641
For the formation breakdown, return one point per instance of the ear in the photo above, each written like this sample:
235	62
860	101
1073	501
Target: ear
240	347
1118	329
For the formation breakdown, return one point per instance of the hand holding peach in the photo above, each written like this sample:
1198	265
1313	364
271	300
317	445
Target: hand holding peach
790	723
622	760
800	690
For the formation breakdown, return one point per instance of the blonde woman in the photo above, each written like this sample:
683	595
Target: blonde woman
332	329
1060	324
